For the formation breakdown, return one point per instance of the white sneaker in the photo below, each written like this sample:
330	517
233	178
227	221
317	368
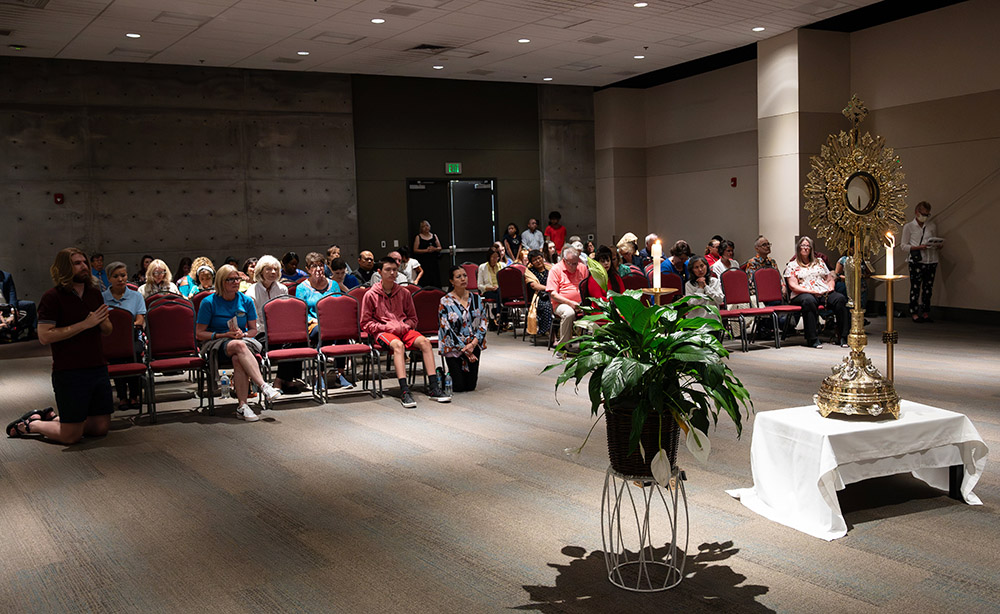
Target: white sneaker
245	413
270	391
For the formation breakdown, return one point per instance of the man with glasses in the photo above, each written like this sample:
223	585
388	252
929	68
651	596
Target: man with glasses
762	260
366	267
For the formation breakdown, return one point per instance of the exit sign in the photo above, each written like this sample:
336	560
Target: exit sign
453	168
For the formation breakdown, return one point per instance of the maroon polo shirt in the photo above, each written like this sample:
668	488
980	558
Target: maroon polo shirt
62	307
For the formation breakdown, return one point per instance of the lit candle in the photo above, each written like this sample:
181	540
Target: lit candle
889	268
657	259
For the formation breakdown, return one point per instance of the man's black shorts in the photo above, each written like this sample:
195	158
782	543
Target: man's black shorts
81	393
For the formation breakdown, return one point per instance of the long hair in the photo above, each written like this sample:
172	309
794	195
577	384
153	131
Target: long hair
159	264
798	251
62	269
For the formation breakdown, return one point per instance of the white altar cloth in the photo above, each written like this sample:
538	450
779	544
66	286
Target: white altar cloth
799	460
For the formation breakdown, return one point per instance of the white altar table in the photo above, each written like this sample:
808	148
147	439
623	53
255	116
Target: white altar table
800	460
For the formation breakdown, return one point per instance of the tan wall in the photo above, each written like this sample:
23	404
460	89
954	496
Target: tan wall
933	90
701	134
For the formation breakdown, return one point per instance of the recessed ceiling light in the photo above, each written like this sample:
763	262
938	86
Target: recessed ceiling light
378	20
303	52
524	40
546	78
438	67
641	5
758	29
639	57
133	35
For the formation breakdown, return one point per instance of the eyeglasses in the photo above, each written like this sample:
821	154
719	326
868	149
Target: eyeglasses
232	280
764	245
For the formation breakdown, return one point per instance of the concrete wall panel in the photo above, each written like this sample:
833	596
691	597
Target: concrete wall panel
568	173
43	144
300	147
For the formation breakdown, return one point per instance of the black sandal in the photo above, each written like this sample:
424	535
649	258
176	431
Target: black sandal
45	415
13	431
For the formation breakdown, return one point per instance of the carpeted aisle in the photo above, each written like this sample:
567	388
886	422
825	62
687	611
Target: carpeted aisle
472	506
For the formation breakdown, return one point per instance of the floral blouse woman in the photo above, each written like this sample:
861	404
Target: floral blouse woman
462	331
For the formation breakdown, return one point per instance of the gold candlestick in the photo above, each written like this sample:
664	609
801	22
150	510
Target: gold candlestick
658	293
890	336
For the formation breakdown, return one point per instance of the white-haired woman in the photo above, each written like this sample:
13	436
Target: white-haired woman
227	324
267	286
158	279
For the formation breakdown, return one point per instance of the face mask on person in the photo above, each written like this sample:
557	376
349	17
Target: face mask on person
922	218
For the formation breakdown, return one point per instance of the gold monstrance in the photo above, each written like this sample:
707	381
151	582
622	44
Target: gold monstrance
856	195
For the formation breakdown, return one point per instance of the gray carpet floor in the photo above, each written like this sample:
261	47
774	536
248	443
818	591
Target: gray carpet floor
360	505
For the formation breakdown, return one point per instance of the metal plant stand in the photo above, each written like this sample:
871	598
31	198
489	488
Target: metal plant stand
633	562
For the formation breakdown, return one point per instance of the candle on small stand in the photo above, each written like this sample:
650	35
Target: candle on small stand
889	266
657	258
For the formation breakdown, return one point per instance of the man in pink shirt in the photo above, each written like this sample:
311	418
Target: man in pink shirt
388	316
563	287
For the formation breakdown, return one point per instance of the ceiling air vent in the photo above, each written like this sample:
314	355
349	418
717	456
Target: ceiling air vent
400	11
31	4
480	72
337	38
431	49
578	66
131	53
596	40
182	19
287	60
6	32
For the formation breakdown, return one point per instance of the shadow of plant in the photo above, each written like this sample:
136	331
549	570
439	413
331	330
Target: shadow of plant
583	586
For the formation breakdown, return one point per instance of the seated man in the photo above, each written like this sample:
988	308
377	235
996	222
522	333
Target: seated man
339	274
97	270
366	267
563	287
401	277
20	316
388	316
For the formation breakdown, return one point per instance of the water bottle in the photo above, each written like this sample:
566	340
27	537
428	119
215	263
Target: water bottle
440	378
447	384
224	385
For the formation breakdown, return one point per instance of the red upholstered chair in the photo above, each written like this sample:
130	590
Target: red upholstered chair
152	299
426	304
358	293
340	337
736	288
285	325
411	288
472	272
511	283
171	346
635	282
768	284
119	351
198	298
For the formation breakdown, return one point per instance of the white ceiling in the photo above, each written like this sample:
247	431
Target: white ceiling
577	42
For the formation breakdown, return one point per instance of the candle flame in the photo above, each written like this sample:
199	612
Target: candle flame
892	240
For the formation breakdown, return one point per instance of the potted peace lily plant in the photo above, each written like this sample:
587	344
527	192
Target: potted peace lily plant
657	371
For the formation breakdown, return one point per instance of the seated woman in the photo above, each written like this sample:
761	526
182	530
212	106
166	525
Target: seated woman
811	284
603	277
462	331
536	276
522	256
511	241
246	274
487	282
266	287
705	286
551	254
140	276
120	296
205	276
726	260
311	290
158	279
227	324
290	270
190	284
680	253
409	267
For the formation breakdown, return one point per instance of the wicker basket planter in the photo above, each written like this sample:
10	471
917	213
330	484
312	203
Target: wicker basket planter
619	424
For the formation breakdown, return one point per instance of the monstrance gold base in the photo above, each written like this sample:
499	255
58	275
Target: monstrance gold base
857	388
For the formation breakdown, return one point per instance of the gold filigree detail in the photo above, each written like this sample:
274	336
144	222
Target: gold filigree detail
850	156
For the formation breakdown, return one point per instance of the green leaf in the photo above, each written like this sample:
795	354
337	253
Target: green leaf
622	373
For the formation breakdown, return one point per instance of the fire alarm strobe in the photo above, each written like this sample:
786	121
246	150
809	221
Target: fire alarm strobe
59	198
